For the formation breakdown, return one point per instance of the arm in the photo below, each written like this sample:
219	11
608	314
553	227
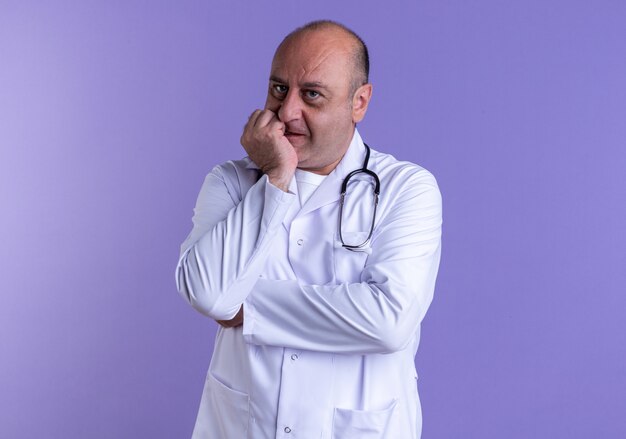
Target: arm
380	314
227	248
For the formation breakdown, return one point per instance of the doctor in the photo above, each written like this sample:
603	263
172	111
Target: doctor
319	296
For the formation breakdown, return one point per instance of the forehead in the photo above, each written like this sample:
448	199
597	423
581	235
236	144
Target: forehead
314	56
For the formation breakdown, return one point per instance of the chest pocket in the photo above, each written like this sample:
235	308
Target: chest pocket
349	264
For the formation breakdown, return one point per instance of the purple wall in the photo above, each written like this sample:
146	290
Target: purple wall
111	113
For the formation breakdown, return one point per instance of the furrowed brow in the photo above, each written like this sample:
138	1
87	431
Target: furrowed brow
315	84
312	84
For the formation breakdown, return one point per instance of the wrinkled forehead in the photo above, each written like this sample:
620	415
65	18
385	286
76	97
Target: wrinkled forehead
313	56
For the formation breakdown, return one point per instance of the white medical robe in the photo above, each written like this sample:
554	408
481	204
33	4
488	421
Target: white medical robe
329	336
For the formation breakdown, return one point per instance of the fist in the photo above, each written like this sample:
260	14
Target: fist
234	322
264	140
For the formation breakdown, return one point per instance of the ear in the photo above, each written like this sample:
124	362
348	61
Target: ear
360	101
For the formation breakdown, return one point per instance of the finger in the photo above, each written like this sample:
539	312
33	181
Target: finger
255	114
249	124
253	118
265	118
276	125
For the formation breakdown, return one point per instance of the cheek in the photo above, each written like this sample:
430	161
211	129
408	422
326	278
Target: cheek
333	123
321	121
325	123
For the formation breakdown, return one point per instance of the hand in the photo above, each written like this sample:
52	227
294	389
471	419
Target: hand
264	140
234	322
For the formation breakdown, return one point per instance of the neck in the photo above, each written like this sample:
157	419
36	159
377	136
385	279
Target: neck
327	169
324	170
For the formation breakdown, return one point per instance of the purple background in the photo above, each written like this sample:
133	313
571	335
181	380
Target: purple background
111	113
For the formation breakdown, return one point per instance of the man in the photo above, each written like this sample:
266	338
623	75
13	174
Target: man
319	296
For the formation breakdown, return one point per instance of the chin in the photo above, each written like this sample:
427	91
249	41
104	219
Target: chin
302	161
302	153
298	141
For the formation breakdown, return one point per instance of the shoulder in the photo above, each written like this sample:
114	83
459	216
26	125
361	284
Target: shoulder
399	173
406	189
234	169
237	176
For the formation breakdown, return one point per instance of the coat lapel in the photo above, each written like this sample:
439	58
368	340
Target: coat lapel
330	189
293	188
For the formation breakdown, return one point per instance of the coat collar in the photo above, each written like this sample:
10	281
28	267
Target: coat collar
330	189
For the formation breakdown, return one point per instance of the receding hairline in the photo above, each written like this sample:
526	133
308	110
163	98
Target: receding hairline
359	56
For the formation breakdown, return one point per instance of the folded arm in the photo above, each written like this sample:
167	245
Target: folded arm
225	253
379	314
227	248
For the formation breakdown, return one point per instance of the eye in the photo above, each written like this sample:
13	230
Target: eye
279	89
311	94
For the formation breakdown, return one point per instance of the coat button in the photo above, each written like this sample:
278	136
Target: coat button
294	357
287	430
300	241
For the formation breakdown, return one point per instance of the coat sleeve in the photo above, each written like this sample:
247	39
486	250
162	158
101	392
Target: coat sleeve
222	257
379	314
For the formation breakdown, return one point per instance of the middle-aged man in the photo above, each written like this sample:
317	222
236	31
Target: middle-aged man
319	296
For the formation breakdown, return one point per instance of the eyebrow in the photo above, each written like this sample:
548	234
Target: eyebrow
314	84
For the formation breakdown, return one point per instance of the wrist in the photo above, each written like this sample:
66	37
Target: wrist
281	180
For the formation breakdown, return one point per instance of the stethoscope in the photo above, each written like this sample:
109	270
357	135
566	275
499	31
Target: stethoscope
344	187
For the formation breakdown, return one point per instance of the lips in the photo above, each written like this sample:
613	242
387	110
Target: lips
297	139
292	130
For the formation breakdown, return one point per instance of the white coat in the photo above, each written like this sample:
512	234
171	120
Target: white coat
329	336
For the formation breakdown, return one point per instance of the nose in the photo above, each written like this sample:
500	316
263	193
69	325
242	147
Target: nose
291	107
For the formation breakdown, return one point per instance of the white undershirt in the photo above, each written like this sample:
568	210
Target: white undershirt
307	183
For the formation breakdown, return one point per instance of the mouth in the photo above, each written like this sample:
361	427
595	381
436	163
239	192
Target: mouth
296	139
293	134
